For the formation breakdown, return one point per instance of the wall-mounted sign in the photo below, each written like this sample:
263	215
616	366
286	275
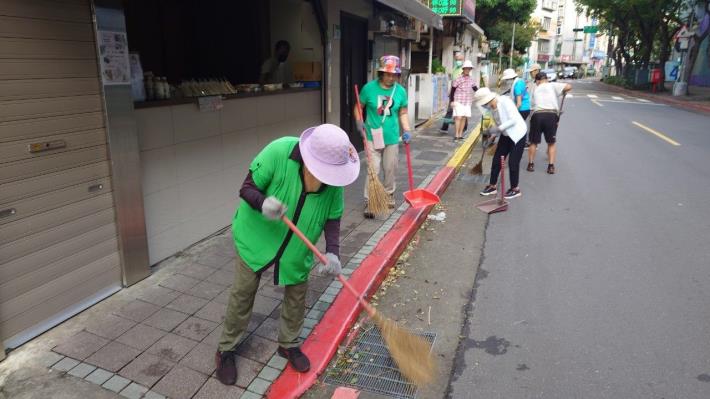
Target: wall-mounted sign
591	29
113	57
454	8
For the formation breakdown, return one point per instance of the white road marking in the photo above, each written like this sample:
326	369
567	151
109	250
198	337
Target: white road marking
597	102
617	98
592	95
570	96
643	100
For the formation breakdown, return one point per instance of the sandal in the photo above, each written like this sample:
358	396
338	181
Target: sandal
551	169
531	167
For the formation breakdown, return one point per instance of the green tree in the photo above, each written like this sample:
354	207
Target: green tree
490	13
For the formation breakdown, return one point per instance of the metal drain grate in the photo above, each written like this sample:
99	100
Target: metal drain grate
368	366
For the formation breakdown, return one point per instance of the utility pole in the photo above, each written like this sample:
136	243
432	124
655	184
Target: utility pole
431	47
512	48
680	88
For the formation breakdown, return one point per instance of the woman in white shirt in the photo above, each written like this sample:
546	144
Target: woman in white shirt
512	129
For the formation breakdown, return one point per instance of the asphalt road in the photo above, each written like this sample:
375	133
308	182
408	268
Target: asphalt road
596	282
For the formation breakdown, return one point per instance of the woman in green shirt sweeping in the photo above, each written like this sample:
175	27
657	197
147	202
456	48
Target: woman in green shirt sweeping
302	179
385	103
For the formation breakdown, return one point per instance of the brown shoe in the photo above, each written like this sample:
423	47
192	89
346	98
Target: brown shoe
298	360
226	368
531	167
551	169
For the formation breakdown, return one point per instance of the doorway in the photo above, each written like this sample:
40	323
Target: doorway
353	70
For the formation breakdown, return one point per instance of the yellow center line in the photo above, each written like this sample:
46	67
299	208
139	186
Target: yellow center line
597	102
657	134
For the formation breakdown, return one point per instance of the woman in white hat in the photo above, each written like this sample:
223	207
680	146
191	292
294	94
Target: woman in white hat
464	87
518	93
303	179
512	128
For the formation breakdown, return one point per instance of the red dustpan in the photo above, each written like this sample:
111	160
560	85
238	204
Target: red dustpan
418	198
498	204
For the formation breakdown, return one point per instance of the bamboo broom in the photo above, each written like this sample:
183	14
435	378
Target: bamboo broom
378	198
411	353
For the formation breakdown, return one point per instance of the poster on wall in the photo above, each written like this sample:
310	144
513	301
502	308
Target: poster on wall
113	56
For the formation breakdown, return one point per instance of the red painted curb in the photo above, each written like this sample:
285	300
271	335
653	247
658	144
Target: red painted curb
322	343
665	100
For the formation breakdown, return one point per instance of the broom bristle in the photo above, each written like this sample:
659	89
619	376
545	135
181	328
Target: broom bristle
492	150
477	168
411	353
378	199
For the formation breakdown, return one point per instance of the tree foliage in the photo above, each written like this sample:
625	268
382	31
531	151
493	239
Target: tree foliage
524	34
490	13
643	29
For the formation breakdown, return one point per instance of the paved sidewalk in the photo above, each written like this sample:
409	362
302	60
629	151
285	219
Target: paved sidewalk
157	338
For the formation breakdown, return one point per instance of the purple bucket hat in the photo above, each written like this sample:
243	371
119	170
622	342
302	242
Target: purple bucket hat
329	156
389	64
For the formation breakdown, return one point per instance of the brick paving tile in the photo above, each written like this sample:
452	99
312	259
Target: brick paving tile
133	391
166	319
268	329
195	328
180	383
213	311
137	310
187	304
247	370
264	304
99	376
81	345
251	395
50	358
147	369
66	364
213	337
82	370
153	395
215	389
113	356
257	348
259	386
116	383
312	297
223	277
276	314
109	326
172	347
141	336
178	282
316	283
195	270
206	290
223	297
212	259
201	358
157	295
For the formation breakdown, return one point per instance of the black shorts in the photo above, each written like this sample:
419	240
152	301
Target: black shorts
543	123
524	114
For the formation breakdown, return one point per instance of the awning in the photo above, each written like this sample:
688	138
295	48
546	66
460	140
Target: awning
417	10
474	27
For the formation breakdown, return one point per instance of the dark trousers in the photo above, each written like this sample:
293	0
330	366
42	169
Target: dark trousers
514	152
449	115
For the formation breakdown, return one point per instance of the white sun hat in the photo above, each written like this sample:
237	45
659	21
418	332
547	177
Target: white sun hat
509	74
467	64
483	96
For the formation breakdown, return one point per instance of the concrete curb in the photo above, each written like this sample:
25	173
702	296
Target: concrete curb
326	336
687	105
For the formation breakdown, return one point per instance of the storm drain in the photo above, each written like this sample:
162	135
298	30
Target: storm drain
367	365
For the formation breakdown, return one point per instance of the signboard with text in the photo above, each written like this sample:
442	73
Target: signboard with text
454	8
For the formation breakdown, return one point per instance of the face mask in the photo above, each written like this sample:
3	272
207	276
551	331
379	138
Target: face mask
459	63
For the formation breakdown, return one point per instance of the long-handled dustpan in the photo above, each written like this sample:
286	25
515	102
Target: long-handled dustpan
498	204
417	198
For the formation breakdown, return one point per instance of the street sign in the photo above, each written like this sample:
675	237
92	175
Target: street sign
577	29
591	29
578	40
494	43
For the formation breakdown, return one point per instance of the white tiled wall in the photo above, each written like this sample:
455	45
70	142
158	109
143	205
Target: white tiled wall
194	162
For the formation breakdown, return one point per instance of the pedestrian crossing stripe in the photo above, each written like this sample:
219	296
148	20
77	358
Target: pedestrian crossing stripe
617	98
591	95
569	95
643	100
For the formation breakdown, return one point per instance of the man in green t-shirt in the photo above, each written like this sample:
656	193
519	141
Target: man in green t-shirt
302	179
385	103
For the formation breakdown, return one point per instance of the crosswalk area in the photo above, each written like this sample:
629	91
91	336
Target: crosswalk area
600	97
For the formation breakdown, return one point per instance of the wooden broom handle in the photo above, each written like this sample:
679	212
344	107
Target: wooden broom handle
370	310
359	117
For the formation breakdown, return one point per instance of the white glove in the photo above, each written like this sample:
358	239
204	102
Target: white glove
333	267
272	208
494	130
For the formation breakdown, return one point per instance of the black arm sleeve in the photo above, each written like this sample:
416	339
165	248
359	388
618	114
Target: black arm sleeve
251	193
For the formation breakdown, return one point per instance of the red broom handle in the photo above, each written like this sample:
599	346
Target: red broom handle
409	167
370	310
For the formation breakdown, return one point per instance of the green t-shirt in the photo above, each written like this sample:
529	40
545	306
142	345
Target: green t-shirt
261	242
374	98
